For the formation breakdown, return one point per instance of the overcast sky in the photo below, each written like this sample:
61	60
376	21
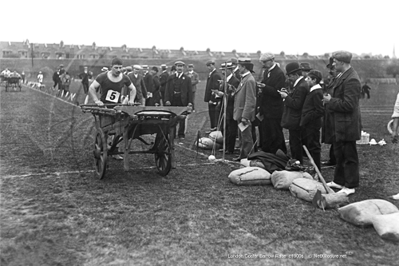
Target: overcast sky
292	26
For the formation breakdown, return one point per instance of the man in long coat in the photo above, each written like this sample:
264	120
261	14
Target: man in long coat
212	86
346	123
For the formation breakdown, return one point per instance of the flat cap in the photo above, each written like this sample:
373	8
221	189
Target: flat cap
163	67
315	74
145	67
210	62
128	68
244	60
190	65
154	68
343	56
305	66
179	63
228	65
266	57
234	61
138	67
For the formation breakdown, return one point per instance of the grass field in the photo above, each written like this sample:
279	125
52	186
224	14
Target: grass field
54	212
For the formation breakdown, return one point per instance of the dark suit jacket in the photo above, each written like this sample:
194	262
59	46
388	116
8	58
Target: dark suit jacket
149	83
141	91
212	84
163	78
185	88
293	104
271	103
313	109
344	106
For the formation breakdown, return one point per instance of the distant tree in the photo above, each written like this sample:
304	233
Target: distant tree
154	47
386	57
393	69
305	54
234	51
94	45
282	53
124	47
367	57
61	44
327	55
259	52
181	49
208	50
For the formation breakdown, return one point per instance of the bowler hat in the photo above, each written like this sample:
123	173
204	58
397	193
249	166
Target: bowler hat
266	57
343	56
305	66
315	74
210	62
292	68
179	63
154	68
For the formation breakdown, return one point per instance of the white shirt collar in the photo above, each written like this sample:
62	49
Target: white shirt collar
273	66
296	81
246	74
179	76
229	77
315	87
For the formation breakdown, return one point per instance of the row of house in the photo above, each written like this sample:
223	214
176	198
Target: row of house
71	51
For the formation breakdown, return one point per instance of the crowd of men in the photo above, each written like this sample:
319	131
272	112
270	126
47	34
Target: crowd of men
298	99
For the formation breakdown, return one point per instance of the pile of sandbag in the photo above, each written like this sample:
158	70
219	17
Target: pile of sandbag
250	176
214	141
381	214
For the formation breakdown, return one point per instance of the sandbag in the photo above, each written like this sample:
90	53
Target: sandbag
216	136
283	179
361	213
306	189
250	176
206	144
387	226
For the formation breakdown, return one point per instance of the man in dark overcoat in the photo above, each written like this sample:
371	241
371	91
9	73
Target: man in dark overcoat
212	85
271	105
178	92
346	123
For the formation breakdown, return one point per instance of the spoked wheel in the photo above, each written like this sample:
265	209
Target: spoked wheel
100	155
163	156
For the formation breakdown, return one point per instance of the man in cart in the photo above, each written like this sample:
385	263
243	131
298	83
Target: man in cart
113	84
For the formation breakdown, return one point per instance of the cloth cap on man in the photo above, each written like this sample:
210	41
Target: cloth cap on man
210	62
292	68
228	65
181	63
190	65
163	67
305	66
234	61
145	67
154	68
128	68
137	67
343	56
266	57
315	74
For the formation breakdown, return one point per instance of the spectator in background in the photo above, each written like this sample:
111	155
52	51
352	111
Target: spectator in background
212	85
194	81
163	78
66	82
366	90
23	77
312	113
85	76
172	70
57	77
153	98
40	79
138	82
244	107
395	117
271	105
305	69
179	93
344	105
293	104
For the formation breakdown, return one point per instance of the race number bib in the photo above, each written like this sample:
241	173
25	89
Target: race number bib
112	96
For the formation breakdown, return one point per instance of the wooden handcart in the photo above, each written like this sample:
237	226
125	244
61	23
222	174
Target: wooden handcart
116	124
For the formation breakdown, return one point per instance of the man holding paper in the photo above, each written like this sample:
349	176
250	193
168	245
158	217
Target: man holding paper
244	107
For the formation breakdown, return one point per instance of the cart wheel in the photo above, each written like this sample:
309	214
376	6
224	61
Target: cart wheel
389	126
100	155
163	157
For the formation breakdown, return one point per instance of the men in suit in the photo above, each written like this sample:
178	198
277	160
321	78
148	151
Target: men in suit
163	78
236	71
244	106
138	82
271	105
155	98
230	84
212	85
344	105
312	113
194	81
149	85
293	103
179	93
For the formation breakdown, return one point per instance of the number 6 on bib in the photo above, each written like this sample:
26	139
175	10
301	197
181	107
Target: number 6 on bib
112	96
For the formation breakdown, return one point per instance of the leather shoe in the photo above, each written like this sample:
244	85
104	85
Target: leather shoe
237	159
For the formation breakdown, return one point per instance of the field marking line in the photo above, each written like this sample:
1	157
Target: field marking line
51	96
58	174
